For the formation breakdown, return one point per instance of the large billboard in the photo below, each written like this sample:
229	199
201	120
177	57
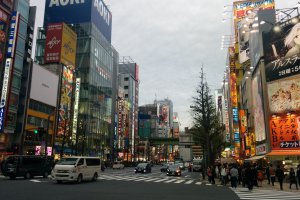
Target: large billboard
94	11
259	120
282	52
44	86
60	44
284	95
284	132
242	8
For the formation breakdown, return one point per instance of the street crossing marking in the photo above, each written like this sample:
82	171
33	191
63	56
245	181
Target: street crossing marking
149	179
35	181
266	194
189	182
180	181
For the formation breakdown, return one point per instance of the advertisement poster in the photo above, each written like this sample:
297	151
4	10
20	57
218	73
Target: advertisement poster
241	8
65	100
285	132
259	120
61	44
282	52
284	95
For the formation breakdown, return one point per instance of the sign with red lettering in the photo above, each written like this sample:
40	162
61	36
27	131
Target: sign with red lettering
285	132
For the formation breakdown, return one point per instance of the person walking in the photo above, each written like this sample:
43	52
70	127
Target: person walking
209	174
249	174
272	174
260	176
224	175
267	171
298	174
292	176
234	176
280	176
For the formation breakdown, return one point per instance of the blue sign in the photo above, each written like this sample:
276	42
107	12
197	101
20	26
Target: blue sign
235	115
12	34
80	11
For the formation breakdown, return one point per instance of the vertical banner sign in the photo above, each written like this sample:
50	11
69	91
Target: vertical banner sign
65	100
75	114
4	92
12	34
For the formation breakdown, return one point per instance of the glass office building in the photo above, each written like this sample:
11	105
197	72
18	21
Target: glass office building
97	66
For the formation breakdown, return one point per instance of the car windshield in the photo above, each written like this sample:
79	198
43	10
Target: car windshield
67	161
142	165
173	167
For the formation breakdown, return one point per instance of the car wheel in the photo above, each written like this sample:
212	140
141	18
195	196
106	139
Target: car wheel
27	175
59	181
95	177
79	178
46	174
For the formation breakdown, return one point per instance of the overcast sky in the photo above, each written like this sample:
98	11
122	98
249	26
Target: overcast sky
170	40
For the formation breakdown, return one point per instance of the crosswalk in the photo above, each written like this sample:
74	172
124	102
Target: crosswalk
244	194
166	180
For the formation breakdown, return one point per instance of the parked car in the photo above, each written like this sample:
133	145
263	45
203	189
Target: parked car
164	167
27	166
174	170
118	165
143	168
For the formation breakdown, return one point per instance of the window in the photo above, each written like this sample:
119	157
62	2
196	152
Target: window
126	95
126	87
18	62
126	79
92	162
80	162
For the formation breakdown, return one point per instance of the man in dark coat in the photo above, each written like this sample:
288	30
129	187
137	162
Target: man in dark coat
280	176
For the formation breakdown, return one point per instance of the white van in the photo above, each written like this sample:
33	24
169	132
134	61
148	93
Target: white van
76	168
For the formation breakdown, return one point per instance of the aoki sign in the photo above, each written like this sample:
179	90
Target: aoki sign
4	92
91	11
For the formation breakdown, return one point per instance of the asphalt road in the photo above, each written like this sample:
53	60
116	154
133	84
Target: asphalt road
115	185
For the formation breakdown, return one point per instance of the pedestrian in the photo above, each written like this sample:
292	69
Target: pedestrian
224	174
240	174
249	173
272	174
298	174
209	174
280	176
234	173
292	176
260	176
268	174
244	179
254	168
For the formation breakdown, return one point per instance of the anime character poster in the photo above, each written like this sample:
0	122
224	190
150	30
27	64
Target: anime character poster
282	52
259	119
65	99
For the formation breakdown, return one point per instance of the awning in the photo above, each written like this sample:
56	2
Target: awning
255	158
284	153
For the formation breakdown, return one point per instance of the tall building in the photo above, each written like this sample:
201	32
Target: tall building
165	113
129	81
97	67
16	74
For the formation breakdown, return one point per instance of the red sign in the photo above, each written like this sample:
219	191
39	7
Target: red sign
53	43
285	132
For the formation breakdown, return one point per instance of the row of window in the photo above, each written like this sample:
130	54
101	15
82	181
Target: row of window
40	107
38	122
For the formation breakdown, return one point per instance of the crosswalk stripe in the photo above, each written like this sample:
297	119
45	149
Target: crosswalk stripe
179	181
198	183
189	182
265	194
171	180
161	180
153	179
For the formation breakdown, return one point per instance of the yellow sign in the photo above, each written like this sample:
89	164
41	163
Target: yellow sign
68	46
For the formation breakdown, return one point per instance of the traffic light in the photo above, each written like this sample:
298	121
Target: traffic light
36	131
39	131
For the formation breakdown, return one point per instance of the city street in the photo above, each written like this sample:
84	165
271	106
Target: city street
125	184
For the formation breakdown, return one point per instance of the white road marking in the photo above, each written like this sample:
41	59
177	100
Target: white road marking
169	181
198	183
189	182
179	181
